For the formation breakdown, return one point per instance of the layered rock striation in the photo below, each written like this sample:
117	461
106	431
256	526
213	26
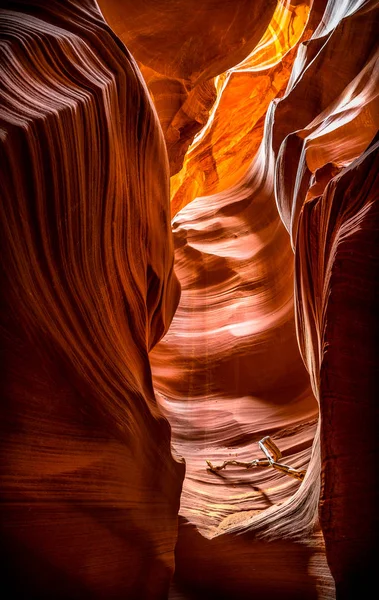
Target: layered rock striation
180	47
266	116
315	171
89	488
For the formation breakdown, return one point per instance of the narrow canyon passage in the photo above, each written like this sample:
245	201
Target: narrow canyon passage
229	370
190	259
226	374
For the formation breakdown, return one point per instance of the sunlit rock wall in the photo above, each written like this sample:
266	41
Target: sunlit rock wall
233	373
267	113
180	46
89	489
327	193
224	148
229	372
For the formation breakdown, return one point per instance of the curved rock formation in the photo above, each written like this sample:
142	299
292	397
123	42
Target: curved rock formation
222	151
89	488
327	192
230	348
180	46
342	263
276	250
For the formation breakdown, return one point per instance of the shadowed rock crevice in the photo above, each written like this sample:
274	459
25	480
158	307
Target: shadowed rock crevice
266	116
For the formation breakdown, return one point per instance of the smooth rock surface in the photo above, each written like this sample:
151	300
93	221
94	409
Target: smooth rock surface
233	327
266	116
89	489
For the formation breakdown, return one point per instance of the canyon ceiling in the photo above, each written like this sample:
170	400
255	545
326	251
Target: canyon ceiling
190	263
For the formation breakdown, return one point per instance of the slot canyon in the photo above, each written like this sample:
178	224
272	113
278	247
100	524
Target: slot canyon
190	265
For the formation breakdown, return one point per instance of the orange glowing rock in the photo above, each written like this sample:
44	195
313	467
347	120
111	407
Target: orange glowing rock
233	332
180	47
223	150
266	116
89	489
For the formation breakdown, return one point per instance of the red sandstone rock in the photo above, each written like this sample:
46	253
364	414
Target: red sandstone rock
342	262
326	184
89	488
180	46
222	152
223	259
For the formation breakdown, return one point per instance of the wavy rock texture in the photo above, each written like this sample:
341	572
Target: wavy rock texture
180	46
343	259
89	489
223	150
328	200
229	372
276	250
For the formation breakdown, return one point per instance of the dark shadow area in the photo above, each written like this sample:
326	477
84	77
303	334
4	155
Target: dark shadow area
236	567
233	481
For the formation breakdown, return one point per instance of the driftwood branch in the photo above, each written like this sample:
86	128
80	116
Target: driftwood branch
273	455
